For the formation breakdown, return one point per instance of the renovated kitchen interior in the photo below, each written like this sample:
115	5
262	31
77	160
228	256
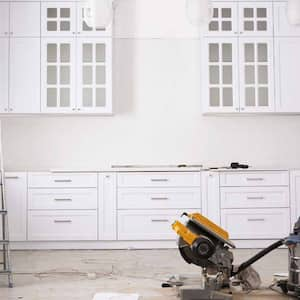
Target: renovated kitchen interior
109	134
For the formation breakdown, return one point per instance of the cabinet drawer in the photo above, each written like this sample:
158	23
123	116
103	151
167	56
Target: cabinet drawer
147	225
62	180
254	197
62	225
157	198
256	223
159	179
263	178
57	199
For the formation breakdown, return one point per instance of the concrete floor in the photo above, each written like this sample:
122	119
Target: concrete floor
63	275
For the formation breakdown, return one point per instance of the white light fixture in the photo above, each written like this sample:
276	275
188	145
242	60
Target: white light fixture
199	12
100	13
293	12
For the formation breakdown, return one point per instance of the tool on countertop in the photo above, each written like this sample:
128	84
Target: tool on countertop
205	244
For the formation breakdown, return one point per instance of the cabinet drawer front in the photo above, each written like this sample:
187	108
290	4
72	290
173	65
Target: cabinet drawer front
159	179
57	199
157	198
147	225
263	178
62	180
62	225
256	223
254	197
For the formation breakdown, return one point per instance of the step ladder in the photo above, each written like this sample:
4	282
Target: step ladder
5	266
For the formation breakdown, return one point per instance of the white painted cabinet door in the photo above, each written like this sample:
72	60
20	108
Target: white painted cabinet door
220	76
256	75
94	79
224	20
107	208
295	196
4	57
83	15
58	75
281	24
25	18
16	198
24	73
58	19
287	66
4	19
256	18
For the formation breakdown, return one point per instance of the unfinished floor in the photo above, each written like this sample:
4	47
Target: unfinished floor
64	275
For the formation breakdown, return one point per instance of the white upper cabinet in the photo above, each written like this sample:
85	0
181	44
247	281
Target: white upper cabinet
281	24
94	75
256	75
256	18
4	57
58	18
58	75
83	15
24	88
287	66
225	19
25	19
4	19
220	76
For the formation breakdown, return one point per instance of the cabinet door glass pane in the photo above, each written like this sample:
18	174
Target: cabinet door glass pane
227	97
227	52
51	97
100	75
51	13
87	53
214	75
214	99
227	74
65	97
51	53
65	75
87	75
213	52
262	52
87	97
51	75
100	53
100	97
65	53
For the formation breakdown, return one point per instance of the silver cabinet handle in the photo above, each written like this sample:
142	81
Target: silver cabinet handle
160	221
62	221
61	199
255	198
12	177
62	180
159	198
159	180
256	220
255	179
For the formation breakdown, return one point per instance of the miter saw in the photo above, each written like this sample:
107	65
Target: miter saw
205	244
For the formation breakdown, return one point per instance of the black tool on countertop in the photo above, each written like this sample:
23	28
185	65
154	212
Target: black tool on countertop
236	165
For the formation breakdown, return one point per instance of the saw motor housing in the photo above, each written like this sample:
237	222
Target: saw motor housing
205	244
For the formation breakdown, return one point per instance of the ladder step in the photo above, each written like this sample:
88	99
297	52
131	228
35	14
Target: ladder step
5	272
4	243
3	212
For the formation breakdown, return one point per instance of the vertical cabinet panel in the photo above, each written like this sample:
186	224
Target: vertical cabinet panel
24	75
281	24
4	19
4	58
287	66
107	208
225	19
256	18
94	75
16	198
58	75
83	28
58	18
25	19
256	75
295	196
220	80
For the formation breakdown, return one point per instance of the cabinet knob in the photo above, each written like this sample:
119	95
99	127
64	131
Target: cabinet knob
10	109
242	108
11	32
73	109
79	109
237	109
6	33
5	109
107	176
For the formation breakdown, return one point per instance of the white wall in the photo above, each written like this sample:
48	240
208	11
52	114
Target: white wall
158	115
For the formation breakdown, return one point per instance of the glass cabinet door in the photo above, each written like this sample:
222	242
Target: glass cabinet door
224	21
256	75
94	75
220	75
83	28
58	69
256	18
4	19
58	18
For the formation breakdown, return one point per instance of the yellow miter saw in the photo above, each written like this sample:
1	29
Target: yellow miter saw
203	243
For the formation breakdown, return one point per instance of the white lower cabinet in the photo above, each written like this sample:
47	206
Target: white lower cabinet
147	224
62	225
16	198
256	224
